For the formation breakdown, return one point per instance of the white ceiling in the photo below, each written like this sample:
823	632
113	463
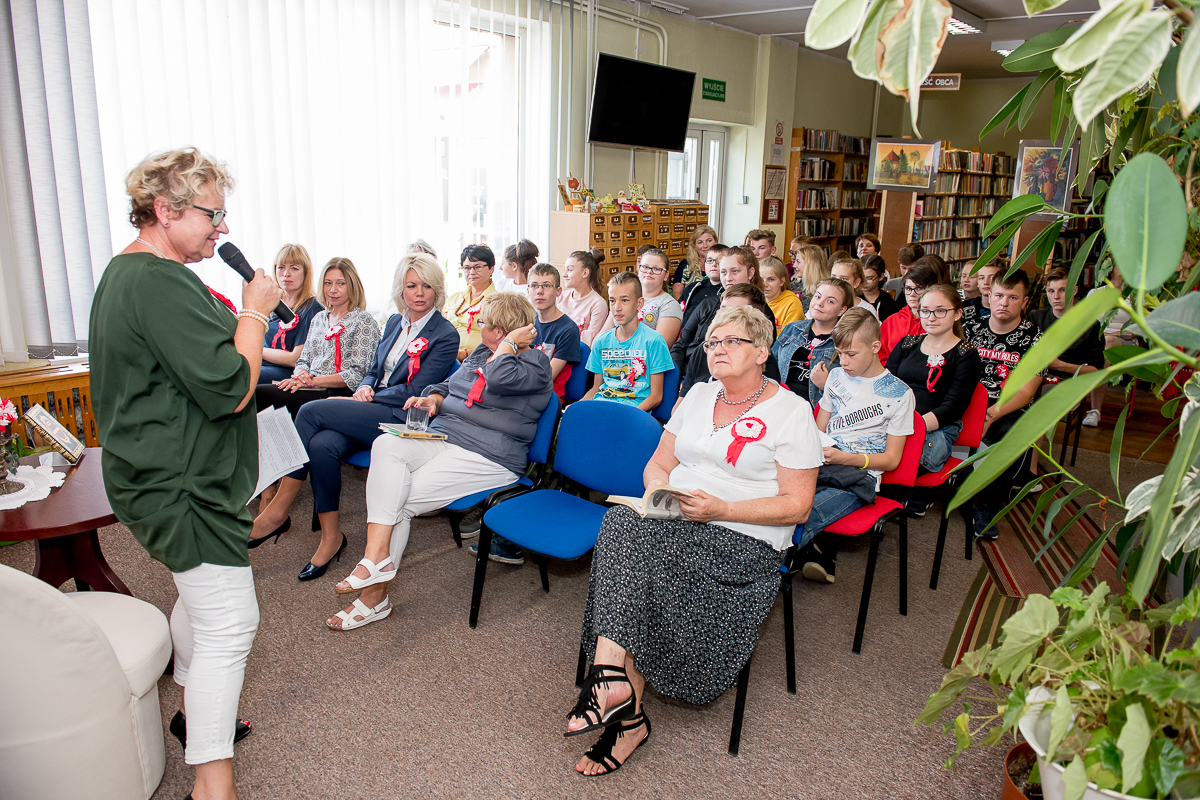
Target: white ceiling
969	54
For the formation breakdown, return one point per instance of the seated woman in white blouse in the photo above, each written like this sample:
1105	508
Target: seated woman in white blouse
679	602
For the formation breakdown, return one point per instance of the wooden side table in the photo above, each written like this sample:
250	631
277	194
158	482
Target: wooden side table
63	528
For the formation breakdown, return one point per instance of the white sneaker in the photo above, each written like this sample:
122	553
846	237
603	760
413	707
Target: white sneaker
1037	487
1092	418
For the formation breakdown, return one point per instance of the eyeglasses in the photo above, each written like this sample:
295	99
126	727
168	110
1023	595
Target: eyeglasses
474	268
936	313
217	216
533	287
794	254
728	343
652	270
915	291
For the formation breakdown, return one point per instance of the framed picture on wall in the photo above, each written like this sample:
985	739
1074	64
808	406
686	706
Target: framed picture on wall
774	194
1047	170
904	165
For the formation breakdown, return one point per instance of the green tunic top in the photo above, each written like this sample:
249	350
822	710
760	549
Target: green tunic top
179	464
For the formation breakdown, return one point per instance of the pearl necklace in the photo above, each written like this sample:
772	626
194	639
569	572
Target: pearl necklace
157	252
752	400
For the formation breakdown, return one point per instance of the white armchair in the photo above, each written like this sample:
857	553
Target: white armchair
79	693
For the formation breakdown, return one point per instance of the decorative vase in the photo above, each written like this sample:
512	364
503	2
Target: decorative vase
8	463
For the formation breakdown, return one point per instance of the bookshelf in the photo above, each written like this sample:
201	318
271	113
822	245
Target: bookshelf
828	199
971	186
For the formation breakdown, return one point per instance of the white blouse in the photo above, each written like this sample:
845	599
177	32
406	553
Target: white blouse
786	436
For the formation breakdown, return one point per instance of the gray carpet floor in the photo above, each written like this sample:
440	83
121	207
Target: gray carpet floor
420	705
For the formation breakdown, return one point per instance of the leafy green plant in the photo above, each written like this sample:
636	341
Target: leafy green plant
1120	717
1127	83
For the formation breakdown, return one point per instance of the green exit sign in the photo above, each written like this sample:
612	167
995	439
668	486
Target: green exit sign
712	90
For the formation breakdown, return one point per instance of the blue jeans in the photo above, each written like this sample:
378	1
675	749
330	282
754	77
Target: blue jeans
829	505
938	444
273	372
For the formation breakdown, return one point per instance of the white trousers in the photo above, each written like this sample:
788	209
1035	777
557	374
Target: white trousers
212	628
411	476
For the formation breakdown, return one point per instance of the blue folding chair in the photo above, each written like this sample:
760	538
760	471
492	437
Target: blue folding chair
602	446
670	395
539	455
577	384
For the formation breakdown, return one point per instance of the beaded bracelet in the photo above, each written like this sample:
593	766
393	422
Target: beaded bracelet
252	314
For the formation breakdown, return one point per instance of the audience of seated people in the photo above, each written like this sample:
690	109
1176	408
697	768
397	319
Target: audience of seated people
556	334
874	274
341	342
740	294
416	350
630	359
866	414
1002	340
660	310
804	350
942	370
283	342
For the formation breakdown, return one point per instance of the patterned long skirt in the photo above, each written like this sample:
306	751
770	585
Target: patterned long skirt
685	599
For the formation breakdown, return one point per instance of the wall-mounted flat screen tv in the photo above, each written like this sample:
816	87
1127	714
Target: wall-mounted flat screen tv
635	104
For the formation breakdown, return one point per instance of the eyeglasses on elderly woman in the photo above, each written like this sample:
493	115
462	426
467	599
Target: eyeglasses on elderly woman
217	216
729	342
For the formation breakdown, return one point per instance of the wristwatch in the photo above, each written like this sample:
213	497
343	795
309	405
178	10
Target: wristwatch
511	344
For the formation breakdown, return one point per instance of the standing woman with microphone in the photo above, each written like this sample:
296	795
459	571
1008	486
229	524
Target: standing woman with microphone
173	376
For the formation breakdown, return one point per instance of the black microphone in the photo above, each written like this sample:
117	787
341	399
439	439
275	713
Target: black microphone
234	258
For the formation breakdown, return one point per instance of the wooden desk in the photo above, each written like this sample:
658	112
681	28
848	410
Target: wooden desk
63	527
54	388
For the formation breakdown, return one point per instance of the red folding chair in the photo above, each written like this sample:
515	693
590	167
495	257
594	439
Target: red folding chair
943	484
888	506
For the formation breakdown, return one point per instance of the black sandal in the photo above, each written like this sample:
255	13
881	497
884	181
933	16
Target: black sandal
601	751
588	706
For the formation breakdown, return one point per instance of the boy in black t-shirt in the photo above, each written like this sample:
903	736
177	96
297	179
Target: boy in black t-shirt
1002	340
557	335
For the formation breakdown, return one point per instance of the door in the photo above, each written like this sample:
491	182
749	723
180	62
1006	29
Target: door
698	173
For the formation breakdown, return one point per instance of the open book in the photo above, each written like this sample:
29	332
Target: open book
656	503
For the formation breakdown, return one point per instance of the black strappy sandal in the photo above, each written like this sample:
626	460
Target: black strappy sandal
601	751
588	706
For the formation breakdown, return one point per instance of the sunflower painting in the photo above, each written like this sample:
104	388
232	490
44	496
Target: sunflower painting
1045	171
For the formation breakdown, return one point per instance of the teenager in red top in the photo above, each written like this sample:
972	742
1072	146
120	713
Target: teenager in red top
905	322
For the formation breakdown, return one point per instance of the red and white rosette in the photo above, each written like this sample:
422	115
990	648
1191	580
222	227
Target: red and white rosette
414	350
935	364
335	333
636	370
277	343
472	313
745	431
8	413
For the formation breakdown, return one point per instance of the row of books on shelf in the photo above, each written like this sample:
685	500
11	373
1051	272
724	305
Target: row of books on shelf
854	171
948	229
817	169
834	199
956	250
858	201
820	227
832	141
930	206
976	162
965	182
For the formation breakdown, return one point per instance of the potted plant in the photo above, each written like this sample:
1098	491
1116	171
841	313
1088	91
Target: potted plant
1076	673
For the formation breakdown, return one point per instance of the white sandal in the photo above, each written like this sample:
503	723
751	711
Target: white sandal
361	609
375	574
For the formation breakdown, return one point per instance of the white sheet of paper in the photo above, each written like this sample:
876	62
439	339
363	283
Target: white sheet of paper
826	439
280	450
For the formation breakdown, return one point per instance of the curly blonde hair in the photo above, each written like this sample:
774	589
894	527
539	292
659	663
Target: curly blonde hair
177	176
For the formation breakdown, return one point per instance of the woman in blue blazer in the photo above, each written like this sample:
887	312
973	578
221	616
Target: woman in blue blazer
417	350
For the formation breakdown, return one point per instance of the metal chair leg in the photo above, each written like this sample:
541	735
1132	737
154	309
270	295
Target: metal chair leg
739	708
456	518
481	562
541	562
969	524
903	563
941	547
868	580
789	631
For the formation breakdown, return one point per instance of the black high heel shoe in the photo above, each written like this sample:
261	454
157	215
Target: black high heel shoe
178	729
252	543
311	571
